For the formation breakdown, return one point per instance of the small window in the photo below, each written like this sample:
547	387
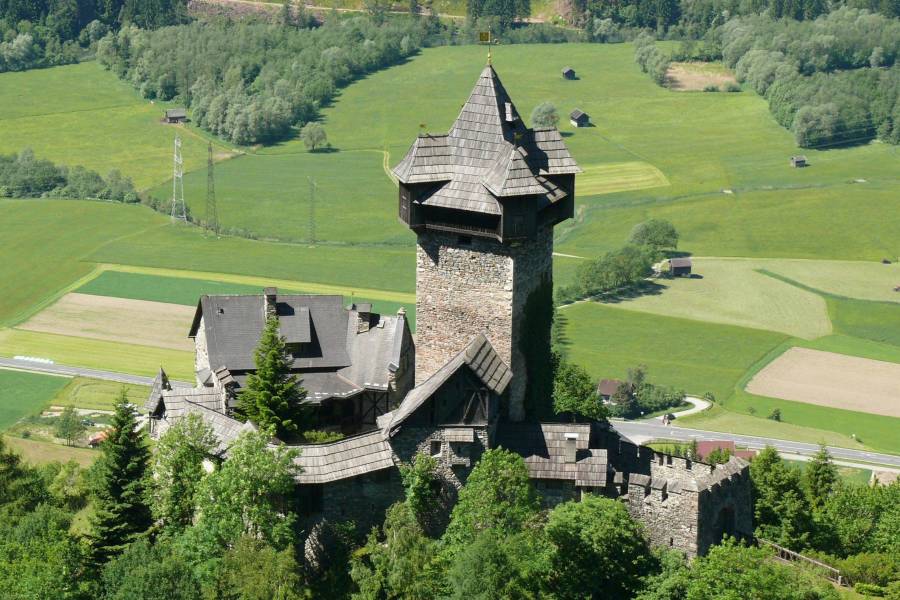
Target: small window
436	448
220	310
671	541
464	240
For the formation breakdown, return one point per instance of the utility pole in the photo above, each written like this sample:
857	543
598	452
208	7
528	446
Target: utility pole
179	211
212	215
312	210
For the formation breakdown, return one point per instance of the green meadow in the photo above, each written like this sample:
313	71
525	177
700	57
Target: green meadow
83	115
22	394
96	394
716	165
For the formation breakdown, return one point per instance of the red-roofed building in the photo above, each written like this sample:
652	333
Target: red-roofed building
607	387
704	449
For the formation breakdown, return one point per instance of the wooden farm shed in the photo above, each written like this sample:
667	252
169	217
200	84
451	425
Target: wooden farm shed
798	161
607	388
176	115
579	118
680	267
568	73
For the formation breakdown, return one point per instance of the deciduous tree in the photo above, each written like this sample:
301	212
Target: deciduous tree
574	393
544	115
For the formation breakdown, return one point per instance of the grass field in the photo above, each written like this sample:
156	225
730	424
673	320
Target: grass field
619	177
695	356
96	394
39	453
98	354
22	393
732	292
84	115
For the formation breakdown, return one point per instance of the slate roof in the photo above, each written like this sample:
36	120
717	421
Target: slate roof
176	113
608	387
488	154
351	457
334	360
479	355
543	447
681	262
160	384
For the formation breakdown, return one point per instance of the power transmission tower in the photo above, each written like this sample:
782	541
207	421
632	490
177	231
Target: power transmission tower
212	215
179	211
312	210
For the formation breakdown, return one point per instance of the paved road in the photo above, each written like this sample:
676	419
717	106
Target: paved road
67	371
640	431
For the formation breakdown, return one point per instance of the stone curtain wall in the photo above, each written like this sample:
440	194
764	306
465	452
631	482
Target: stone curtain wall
476	287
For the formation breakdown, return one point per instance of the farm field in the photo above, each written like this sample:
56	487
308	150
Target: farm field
833	380
84	115
695	356
39	453
98	354
22	394
127	321
96	394
734	293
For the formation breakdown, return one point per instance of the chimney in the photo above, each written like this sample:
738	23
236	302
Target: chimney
363	312
270	296
571	442
510	115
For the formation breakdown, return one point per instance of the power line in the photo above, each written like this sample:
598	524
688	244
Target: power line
179	211
212	215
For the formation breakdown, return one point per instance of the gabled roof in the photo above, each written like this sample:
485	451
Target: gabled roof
234	324
488	154
160	385
351	457
577	114
684	261
543	446
479	356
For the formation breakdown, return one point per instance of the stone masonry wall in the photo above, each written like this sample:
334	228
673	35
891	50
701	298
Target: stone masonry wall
201	354
479	287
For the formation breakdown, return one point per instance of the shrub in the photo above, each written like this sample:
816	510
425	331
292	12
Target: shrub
711	88
775	415
732	87
315	436
867	589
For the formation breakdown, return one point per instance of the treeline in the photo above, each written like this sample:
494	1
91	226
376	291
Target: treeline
636	396
623	269
853	527
691	19
43	33
251	82
831	81
24	176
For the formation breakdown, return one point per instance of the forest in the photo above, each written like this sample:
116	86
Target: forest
161	525
23	175
250	82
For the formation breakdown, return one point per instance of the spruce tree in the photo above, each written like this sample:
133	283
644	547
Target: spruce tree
273	395
819	478
121	509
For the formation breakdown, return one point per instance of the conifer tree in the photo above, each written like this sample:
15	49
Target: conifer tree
819	478
273	394
121	510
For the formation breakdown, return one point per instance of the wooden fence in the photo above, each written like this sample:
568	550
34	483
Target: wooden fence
786	554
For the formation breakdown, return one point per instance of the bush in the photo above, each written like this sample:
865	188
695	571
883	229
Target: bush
314	436
775	415
711	88
732	87
867	589
871	568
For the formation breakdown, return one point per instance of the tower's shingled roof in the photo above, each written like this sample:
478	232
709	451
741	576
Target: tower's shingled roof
488	154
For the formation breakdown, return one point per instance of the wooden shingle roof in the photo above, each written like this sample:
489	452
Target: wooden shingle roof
350	457
488	154
543	446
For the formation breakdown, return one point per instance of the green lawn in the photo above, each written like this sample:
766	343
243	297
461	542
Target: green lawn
732	292
97	394
696	356
84	115
22	394
40	453
186	290
98	354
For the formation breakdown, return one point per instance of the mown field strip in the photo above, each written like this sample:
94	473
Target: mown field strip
618	177
97	354
306	286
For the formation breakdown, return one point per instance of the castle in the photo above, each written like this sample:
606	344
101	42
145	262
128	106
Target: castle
483	200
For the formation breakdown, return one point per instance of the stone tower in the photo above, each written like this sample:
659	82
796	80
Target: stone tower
483	200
